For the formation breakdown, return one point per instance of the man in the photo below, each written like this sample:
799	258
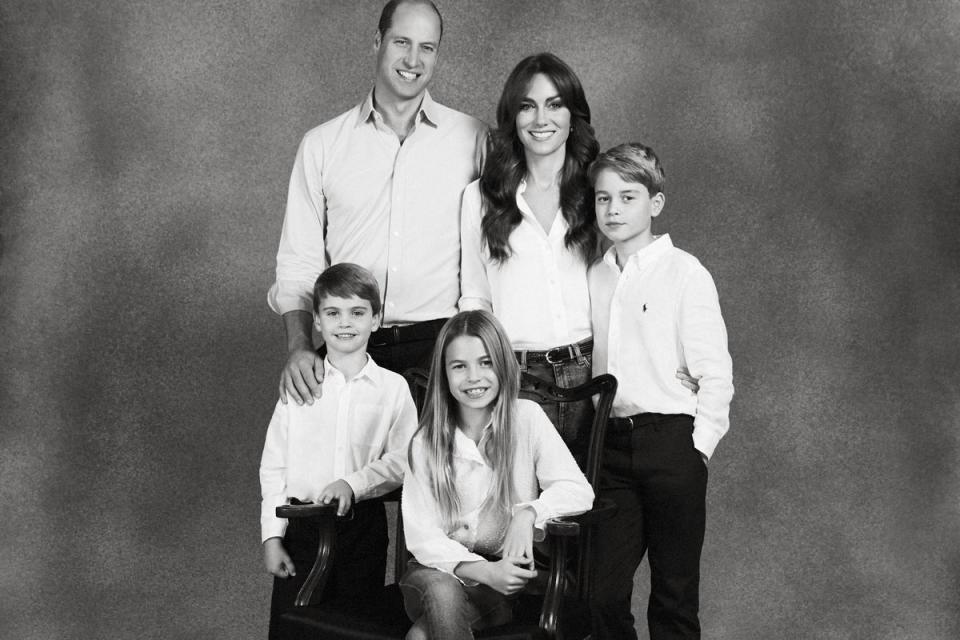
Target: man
380	186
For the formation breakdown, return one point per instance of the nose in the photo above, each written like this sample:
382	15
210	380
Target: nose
473	373
541	115
412	57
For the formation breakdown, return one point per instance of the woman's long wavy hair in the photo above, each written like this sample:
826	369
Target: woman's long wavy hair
439	418
506	164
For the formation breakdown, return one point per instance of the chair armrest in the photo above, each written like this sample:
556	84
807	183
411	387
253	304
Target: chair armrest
570	525
306	510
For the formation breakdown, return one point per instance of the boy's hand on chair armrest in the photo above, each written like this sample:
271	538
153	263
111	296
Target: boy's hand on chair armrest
687	380
276	559
340	491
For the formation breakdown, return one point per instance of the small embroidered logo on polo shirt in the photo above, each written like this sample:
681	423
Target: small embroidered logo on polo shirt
644	307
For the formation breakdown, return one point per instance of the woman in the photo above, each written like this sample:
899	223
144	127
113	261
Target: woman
528	232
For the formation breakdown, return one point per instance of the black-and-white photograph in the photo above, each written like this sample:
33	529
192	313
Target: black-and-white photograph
545	319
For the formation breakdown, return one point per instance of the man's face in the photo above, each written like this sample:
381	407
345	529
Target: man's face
407	53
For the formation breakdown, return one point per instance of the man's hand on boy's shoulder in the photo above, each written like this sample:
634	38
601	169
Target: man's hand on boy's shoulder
688	380
301	377
276	559
340	491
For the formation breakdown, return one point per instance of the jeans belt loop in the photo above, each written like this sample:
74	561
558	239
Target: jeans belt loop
581	359
523	361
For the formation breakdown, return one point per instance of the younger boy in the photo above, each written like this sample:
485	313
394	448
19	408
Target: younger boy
655	310
348	445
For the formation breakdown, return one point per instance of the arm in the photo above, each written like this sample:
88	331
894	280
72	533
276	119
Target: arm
300	258
565	490
507	575
273	475
474	285
422	527
386	473
703	337
303	372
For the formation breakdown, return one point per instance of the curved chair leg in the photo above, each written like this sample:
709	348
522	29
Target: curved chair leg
317	578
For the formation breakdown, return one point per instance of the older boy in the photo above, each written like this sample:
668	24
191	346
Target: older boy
655	309
348	445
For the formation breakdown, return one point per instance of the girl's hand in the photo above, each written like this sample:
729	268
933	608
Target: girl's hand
507	575
519	539
276	559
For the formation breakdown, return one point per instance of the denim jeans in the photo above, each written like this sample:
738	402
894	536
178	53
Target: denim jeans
572	419
450	609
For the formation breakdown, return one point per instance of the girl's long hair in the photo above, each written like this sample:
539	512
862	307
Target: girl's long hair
438	420
506	164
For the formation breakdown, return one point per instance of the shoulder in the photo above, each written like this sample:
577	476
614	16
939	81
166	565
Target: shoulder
331	128
457	119
530	416
685	263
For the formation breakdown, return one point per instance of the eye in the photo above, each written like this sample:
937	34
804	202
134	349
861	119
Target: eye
602	199
359	313
526	106
555	105
486	362
429	48
330	313
400	42
628	198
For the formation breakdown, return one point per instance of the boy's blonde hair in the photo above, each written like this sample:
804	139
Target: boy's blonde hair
633	162
438	420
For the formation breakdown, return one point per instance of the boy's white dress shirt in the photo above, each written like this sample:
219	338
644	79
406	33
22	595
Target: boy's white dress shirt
539	293
659	314
358	432
545	476
358	195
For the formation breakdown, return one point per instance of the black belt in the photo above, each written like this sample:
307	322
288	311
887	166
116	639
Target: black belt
398	334
558	354
636	421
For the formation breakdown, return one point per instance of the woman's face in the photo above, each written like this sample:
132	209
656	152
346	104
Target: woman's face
543	121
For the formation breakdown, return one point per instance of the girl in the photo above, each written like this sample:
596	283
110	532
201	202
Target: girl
471	503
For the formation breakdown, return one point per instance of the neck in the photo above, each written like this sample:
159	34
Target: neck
398	114
349	364
626	249
473	421
543	172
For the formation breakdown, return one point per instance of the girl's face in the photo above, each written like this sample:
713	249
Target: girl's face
470	376
543	121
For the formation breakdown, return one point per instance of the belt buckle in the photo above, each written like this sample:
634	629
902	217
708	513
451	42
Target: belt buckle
547	358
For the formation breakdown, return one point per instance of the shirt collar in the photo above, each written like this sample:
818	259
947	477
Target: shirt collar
646	255
429	111
370	371
464	447
528	212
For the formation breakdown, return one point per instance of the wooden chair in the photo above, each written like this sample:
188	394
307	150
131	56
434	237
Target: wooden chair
561	612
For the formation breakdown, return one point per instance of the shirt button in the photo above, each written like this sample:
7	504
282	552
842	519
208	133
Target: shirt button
466	526
396	234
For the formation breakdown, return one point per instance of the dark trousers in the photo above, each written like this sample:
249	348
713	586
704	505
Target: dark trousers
359	563
658	481
414	348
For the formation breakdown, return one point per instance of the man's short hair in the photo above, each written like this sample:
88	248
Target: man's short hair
346	280
633	162
386	16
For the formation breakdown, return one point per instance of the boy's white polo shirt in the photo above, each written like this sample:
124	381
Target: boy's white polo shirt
659	314
358	431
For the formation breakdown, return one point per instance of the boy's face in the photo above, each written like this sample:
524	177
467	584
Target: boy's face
624	211
345	323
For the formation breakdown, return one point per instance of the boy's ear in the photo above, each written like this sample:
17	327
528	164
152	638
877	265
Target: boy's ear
316	321
377	319
656	204
377	40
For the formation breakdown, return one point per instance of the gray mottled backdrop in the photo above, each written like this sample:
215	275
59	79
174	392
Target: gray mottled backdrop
813	159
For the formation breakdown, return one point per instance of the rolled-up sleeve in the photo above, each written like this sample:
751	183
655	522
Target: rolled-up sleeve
474	285
302	252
